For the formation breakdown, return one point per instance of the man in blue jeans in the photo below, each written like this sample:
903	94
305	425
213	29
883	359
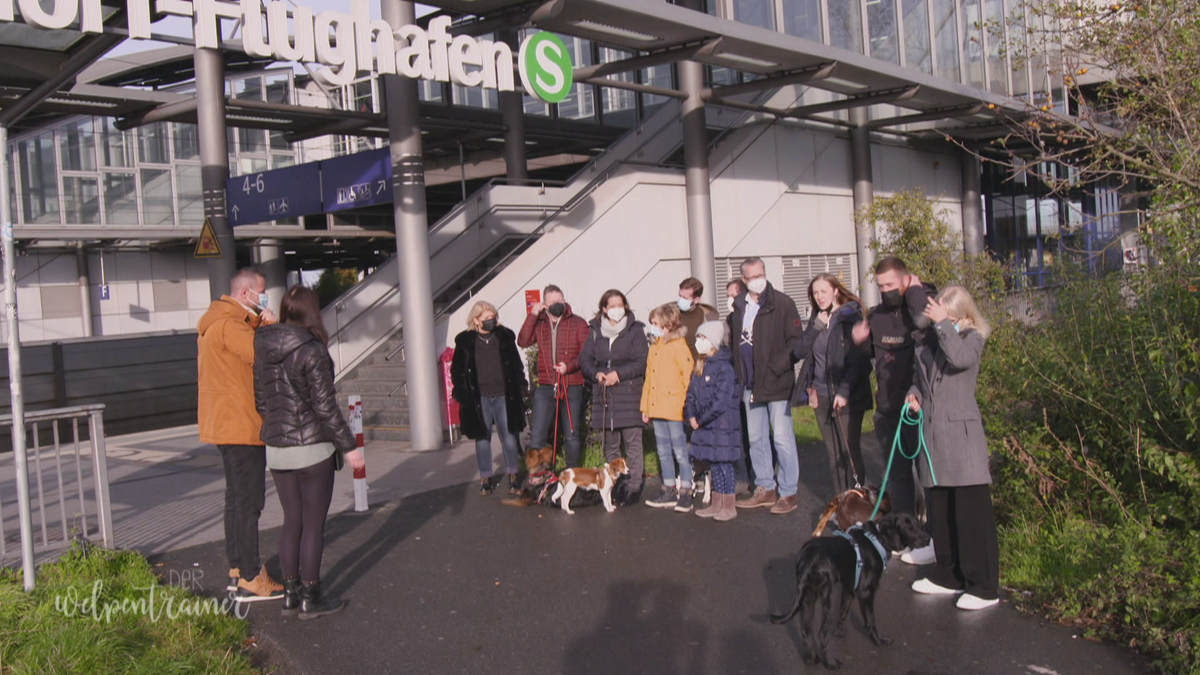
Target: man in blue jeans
559	336
765	325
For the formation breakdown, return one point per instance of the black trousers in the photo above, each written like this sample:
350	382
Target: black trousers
245	495
962	523
305	495
840	435
902	486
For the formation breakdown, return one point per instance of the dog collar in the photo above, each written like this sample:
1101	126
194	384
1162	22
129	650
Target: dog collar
858	561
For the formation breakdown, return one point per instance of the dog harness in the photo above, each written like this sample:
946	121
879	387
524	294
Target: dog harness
858	560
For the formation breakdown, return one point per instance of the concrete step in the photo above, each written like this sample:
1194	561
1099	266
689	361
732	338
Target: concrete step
385	418
385	373
367	387
384	433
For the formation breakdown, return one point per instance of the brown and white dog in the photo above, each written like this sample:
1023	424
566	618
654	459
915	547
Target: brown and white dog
851	507
602	480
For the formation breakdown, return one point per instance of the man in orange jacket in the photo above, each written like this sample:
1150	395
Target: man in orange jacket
229	420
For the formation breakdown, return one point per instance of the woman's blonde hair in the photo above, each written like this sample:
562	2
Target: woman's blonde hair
960	306
667	316
477	310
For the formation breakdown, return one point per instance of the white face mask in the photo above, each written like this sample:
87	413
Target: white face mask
615	313
263	300
729	304
703	346
757	286
684	304
655	331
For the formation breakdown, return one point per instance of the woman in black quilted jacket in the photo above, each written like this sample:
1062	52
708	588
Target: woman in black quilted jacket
307	438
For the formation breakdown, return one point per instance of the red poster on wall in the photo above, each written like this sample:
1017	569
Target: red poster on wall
532	298
450	403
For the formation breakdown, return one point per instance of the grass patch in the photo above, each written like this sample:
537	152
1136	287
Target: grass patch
53	630
804	421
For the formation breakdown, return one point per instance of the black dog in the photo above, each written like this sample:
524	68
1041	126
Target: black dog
830	571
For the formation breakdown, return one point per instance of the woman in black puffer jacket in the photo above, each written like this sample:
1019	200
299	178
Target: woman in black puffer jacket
306	435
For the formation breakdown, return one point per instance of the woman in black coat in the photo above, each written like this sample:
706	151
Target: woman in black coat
836	377
489	385
614	359
306	436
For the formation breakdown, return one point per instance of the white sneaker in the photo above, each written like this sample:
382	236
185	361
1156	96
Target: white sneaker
927	587
920	556
972	602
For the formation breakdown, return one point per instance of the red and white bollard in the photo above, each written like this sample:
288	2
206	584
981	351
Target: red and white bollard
360	475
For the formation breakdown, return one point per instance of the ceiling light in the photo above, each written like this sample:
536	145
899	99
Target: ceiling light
67	101
837	81
615	31
747	60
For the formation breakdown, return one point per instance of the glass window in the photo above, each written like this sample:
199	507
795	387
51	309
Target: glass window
618	106
881	22
39	178
120	199
81	200
278	142
917	48
252	140
248	89
279	88
802	18
188	195
364	98
116	147
580	103
997	64
845	25
153	144
470	97
1018	51
158	203
279	161
658	76
945	29
971	24
429	90
78	142
759	13
187	141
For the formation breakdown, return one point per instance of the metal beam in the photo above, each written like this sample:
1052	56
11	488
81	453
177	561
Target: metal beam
634	86
935	114
681	53
82	57
801	76
777	112
162	113
869	98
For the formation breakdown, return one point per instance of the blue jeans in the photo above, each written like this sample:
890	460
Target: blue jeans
766	422
543	419
496	412
672	448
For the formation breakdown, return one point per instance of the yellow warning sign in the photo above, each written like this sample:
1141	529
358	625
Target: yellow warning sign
207	245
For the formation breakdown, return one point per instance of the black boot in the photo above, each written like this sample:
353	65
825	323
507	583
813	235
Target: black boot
291	597
313	605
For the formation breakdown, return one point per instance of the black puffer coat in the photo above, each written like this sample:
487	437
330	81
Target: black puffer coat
618	406
293	390
465	380
847	368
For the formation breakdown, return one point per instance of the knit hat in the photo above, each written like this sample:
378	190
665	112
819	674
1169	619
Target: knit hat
713	330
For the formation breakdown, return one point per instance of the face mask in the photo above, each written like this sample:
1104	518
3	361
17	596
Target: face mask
757	286
263	300
557	309
489	325
703	346
684	304
615	314
655	331
892	298
729	304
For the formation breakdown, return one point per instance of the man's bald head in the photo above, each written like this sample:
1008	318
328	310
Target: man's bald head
248	278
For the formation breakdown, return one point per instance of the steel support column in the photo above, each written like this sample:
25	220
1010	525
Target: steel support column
512	106
268	257
972	209
864	194
412	247
85	288
214	164
699	196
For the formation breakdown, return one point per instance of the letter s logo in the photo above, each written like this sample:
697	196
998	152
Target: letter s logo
546	69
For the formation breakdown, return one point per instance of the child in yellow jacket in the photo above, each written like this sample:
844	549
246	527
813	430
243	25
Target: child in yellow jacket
668	371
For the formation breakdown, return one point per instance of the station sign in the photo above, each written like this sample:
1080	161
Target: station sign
278	194
354	181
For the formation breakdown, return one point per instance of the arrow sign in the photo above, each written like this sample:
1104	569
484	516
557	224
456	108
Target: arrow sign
271	195
354	181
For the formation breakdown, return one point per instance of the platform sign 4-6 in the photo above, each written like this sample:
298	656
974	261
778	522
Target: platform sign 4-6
273	195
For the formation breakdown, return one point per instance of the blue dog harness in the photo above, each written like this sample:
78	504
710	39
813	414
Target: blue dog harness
858	561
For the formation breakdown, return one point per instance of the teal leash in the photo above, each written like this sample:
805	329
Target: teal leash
917	419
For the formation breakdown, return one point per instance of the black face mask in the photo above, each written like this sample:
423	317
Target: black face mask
557	309
489	325
893	298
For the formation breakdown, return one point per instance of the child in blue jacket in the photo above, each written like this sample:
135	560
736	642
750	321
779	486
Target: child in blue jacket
711	408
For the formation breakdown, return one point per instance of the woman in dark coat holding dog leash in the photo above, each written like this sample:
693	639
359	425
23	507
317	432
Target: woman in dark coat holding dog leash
613	358
954	467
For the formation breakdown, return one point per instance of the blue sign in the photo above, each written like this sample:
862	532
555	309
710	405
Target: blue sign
358	180
274	195
104	291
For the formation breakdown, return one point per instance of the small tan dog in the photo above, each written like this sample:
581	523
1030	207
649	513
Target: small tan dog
601	480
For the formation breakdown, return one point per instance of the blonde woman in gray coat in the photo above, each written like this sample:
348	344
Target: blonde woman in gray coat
955	472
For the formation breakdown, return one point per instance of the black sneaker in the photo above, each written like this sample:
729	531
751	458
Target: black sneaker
514	486
684	504
485	487
667	498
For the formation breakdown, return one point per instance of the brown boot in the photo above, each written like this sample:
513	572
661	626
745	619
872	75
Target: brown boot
761	498
713	508
728	510
785	505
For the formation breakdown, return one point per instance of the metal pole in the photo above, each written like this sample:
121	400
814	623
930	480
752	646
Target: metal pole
412	247
512	107
699	196
14	369
100	472
85	288
972	209
864	194
268	257
214	164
